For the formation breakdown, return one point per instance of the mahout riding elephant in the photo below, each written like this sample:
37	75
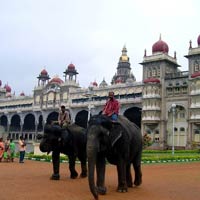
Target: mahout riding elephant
121	144
70	141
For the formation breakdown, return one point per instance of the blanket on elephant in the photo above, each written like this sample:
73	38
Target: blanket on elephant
126	124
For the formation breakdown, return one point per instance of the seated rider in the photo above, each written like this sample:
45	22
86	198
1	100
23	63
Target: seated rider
111	108
64	118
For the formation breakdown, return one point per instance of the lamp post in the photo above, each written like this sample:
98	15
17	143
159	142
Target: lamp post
173	120
89	94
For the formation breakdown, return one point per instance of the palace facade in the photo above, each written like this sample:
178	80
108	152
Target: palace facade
166	104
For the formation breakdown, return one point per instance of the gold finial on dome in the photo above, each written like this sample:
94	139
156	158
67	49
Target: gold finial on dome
124	56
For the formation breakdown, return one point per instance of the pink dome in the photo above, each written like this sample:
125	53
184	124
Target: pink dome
71	67
160	46
198	40
95	84
151	80
8	88
44	72
56	80
22	94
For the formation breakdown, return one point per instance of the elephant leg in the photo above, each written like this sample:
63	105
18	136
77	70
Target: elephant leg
82	158
56	165
73	172
101	167
121	171
137	169
138	175
129	176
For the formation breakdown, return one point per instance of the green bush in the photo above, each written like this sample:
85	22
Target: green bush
147	156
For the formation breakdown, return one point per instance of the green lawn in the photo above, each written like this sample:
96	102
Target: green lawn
166	156
148	156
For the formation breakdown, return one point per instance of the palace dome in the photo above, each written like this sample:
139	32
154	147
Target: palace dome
95	84
22	94
160	46
103	83
198	40
44	72
56	79
71	67
8	88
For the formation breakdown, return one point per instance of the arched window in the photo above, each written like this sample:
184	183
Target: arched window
182	129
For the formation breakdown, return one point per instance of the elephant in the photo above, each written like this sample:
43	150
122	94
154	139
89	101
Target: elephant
120	143
70	141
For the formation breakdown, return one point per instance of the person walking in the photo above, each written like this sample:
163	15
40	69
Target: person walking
111	108
1	149
22	149
6	154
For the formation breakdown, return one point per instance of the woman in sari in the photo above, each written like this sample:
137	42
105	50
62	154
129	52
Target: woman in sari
1	149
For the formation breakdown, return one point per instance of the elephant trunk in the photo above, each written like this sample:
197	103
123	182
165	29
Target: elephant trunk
44	147
92	153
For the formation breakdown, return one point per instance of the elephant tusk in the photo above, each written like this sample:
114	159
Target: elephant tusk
115	140
108	133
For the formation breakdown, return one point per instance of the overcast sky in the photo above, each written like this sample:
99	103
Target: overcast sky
51	34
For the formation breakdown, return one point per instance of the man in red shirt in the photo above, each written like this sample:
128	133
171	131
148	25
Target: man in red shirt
111	108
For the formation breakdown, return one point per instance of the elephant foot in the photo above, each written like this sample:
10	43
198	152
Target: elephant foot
138	179
55	177
130	185
138	182
122	189
83	174
74	175
101	190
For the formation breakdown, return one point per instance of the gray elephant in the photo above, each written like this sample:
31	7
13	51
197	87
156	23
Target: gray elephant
70	141
118	142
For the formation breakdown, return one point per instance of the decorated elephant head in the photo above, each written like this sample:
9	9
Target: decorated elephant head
52	138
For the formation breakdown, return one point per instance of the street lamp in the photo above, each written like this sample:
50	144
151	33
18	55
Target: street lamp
173	119
90	94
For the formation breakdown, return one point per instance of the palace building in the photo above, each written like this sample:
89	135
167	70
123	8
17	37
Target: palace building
165	105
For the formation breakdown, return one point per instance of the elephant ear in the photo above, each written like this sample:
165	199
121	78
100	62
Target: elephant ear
57	130
115	134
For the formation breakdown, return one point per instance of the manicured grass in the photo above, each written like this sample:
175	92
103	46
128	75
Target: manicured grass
179	155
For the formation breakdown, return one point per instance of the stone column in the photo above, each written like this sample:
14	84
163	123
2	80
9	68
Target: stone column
36	129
